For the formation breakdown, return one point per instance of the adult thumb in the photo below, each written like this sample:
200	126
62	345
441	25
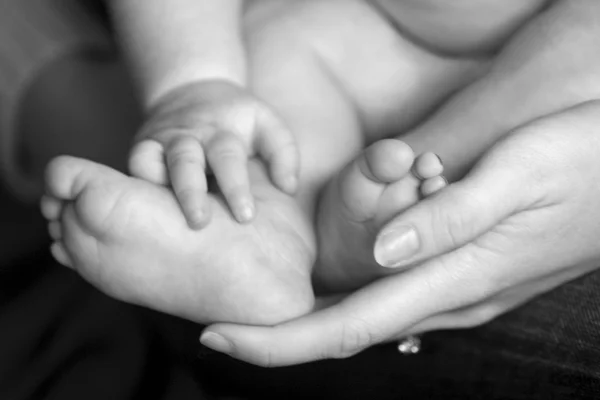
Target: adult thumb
451	218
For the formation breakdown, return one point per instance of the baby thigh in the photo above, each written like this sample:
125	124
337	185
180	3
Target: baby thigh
287	72
341	76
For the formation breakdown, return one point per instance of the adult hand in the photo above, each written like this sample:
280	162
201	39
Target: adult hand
523	221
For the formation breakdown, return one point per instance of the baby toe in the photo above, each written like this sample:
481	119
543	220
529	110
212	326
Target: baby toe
51	207
433	185
388	160
427	165
60	254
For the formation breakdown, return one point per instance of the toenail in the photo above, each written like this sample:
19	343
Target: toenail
216	342
416	174
439	158
396	245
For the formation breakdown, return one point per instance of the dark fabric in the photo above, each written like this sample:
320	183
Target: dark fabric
548	349
62	339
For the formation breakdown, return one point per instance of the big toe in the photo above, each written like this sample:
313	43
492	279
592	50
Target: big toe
67	177
387	161
363	182
94	191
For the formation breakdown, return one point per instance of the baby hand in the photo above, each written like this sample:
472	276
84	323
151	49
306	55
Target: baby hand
220	124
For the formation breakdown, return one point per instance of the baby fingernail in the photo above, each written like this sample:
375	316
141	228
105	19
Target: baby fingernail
216	342
246	211
199	218
396	245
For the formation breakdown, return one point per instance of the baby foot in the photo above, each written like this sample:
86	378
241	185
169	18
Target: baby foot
383	180
129	238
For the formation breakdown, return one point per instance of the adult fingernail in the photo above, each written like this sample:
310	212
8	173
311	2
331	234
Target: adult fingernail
216	342
396	245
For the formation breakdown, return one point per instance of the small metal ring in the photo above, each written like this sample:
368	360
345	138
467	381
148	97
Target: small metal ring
409	345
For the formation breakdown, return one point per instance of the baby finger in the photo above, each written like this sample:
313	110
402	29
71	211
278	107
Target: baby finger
186	164
228	158
277	146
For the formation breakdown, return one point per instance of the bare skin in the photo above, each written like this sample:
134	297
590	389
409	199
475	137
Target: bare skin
326	97
383	181
533	75
120	232
129	238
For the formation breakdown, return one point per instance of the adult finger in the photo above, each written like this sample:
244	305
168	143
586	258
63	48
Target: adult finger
482	312
185	161
228	158
457	214
277	146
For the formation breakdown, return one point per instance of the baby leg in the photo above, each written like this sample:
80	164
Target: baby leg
342	79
